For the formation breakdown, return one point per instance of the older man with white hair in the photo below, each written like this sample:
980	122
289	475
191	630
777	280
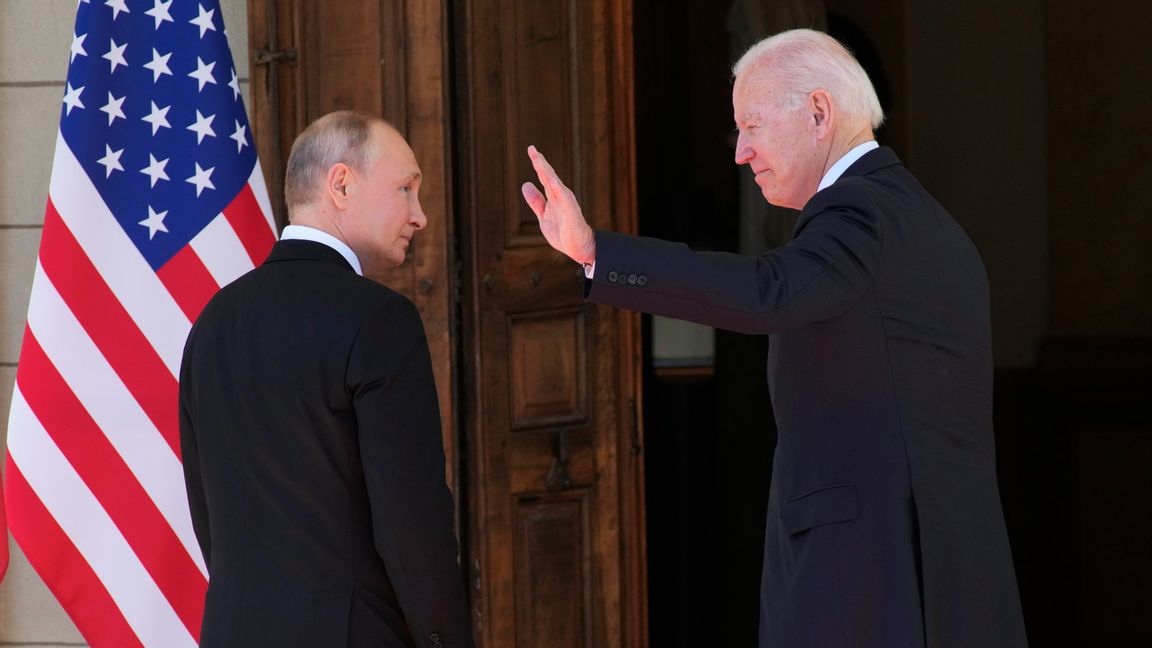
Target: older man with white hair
884	522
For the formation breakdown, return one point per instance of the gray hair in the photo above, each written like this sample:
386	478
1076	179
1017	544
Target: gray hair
804	60
338	137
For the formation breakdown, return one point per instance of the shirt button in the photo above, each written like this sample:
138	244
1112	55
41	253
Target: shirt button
631	280
612	276
642	280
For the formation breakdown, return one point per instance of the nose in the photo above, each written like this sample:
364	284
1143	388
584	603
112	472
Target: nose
744	153
418	218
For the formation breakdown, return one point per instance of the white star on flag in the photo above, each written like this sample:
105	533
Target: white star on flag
202	179
204	21
72	98
117	7
154	222
158	65
203	127
115	55
159	11
155	170
111	160
114	108
77	48
240	136
158	117
203	72
235	85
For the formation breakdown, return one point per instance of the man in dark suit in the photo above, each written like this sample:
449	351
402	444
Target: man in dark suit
309	422
884	523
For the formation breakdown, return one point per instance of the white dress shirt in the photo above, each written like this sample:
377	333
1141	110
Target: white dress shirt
836	170
304	233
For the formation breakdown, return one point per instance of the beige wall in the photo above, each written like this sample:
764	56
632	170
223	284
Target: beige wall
34	40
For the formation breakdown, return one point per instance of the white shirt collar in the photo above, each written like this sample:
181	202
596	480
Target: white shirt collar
305	233
838	169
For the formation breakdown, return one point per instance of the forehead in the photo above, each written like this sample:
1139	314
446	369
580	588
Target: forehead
752	99
393	154
748	100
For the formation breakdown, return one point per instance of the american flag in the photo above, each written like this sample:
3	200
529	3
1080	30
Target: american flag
156	201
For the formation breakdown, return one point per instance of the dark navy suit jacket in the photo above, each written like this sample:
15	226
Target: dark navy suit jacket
884	522
314	463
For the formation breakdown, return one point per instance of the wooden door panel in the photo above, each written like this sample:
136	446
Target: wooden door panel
546	362
554	497
552	572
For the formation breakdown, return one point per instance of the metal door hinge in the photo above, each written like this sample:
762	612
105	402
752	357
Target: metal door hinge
264	57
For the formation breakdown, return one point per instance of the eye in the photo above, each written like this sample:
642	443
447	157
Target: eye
406	189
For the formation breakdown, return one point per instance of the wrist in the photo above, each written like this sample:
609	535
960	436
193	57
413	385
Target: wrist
588	258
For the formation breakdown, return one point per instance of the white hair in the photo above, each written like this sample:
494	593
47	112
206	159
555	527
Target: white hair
804	60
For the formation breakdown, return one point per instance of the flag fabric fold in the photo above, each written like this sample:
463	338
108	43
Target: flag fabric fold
156	200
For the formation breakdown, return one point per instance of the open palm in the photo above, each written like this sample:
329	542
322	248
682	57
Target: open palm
561	220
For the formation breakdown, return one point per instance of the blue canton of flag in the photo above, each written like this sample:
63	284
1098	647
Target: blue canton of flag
153	112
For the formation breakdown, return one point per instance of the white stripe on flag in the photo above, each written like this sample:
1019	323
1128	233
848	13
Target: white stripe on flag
125	271
112	407
88	526
221	251
260	190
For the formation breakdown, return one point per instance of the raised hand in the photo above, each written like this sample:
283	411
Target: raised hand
561	220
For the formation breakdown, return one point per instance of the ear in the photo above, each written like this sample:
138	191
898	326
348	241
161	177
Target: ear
822	113
336	184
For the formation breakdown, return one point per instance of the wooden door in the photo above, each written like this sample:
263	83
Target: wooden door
387	58
555	514
545	454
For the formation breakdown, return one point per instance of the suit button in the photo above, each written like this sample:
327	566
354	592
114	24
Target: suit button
642	280
631	280
612	276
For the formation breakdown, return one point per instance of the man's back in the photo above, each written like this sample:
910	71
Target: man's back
312	451
891	396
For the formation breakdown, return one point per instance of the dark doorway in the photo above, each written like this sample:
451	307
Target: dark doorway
709	430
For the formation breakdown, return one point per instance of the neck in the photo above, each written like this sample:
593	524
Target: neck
318	220
845	141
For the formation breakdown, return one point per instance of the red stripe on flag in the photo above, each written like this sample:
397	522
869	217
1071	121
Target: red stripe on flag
188	279
247	219
62	568
110	326
98	463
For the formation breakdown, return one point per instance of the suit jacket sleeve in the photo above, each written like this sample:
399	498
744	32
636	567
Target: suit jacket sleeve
821	273
398	418
190	460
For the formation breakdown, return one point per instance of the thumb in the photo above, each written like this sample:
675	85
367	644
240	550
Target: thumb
534	198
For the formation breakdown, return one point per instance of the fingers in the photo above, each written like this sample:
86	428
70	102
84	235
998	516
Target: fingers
553	187
534	198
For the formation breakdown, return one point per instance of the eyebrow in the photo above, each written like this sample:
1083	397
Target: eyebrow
413	177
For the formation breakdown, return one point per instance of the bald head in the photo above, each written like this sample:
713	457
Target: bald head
801	61
339	137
